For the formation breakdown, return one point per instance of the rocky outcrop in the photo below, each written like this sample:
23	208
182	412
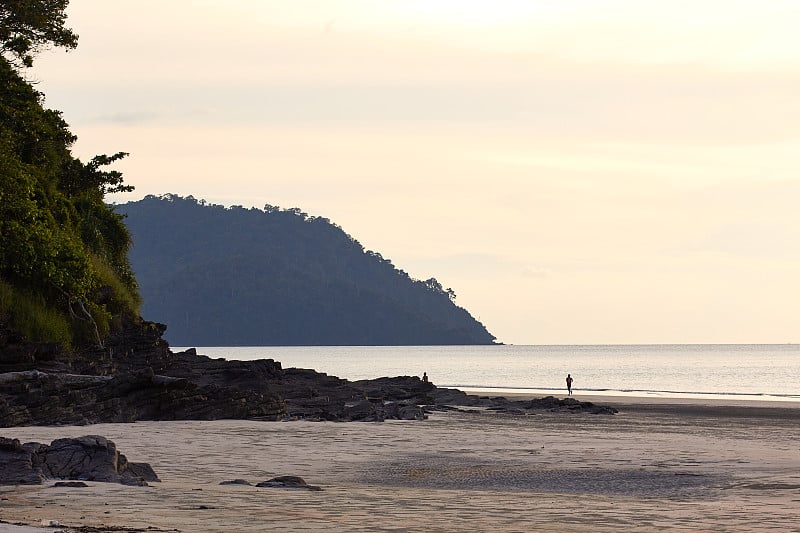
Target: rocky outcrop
135	376
548	403
39	398
17	354
552	403
89	458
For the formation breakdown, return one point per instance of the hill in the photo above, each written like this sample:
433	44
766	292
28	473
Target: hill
236	277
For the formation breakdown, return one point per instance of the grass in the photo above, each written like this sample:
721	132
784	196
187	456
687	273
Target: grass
30	315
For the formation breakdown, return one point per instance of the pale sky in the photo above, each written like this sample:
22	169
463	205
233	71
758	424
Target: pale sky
578	171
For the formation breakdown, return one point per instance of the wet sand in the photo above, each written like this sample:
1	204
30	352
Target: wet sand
657	465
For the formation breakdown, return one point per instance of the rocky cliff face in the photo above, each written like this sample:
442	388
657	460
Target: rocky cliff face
133	377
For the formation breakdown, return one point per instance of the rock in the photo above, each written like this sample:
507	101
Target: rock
444	396
391	410
142	470
25	398
237	482
71	484
89	458
18	463
409	388
411	412
135	376
360	410
93	458
288	482
568	404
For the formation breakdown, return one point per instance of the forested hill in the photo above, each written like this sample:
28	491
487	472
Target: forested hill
233	276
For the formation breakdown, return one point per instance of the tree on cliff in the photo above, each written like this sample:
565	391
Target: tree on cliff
28	26
64	271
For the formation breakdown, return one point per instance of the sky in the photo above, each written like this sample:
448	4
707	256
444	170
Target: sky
578	172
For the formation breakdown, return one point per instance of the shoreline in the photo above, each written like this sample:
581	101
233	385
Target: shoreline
632	397
468	471
685	407
651	400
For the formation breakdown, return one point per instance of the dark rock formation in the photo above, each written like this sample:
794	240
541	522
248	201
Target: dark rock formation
135	376
38	398
70	484
288	482
89	458
237	481
568	404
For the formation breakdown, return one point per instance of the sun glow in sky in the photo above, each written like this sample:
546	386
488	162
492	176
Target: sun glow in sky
465	13
580	171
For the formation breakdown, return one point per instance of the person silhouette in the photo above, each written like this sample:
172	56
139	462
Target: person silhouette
425	377
569	384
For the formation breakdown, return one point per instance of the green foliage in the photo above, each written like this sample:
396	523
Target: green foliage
117	295
88	179
60	244
28	26
32	317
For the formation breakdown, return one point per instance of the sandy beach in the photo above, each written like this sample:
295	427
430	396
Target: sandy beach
656	465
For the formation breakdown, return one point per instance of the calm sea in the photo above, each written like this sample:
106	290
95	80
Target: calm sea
760	372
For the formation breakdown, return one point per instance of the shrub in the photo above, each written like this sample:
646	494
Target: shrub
34	319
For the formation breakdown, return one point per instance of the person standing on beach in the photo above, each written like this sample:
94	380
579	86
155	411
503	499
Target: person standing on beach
569	384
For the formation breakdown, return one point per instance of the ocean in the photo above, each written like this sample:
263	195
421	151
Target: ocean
752	371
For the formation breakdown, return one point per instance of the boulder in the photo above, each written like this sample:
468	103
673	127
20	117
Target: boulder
552	403
359	410
70	484
237	481
88	458
288	482
411	412
18	463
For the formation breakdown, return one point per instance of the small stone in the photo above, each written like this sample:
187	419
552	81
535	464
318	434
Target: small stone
288	482
70	484
237	481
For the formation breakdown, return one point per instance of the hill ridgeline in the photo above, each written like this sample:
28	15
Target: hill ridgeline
277	277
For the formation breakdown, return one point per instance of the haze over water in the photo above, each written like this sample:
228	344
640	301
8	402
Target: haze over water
765	372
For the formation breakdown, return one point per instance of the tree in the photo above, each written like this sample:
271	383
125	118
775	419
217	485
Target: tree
63	251
29	26
90	179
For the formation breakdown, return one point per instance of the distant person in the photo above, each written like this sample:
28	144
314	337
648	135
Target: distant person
569	384
425	377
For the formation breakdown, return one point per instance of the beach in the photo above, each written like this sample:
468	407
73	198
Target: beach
656	465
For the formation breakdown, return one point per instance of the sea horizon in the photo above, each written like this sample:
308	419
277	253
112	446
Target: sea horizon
757	372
